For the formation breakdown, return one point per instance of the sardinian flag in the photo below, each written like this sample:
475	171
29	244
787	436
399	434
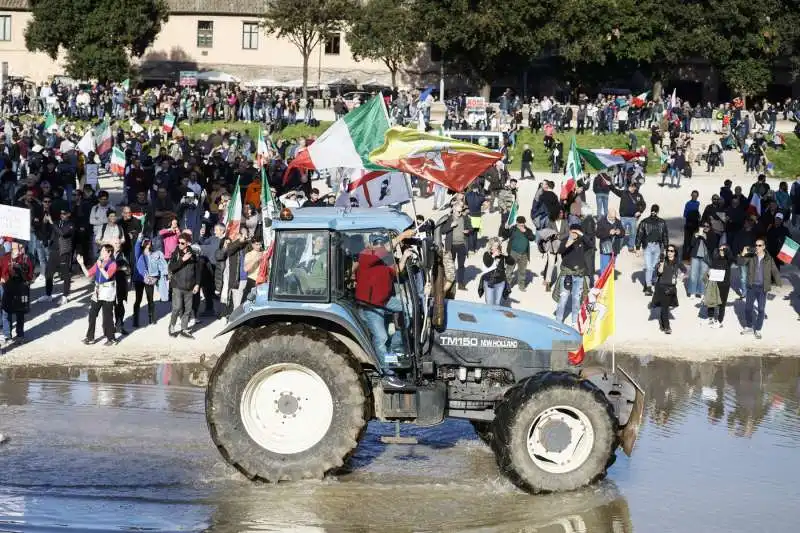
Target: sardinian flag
376	189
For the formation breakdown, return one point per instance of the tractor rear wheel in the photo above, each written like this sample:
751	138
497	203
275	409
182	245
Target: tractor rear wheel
554	432
285	402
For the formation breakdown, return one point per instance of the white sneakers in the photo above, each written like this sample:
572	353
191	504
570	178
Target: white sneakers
43	299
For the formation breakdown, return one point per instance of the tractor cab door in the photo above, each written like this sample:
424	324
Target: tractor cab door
369	282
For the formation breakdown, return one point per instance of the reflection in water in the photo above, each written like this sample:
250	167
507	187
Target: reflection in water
129	448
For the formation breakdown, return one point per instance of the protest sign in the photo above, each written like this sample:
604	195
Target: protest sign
92	174
15	222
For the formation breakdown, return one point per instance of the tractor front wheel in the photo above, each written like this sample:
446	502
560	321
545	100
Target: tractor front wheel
554	432
285	403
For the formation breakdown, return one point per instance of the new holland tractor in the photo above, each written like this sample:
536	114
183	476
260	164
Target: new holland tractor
301	377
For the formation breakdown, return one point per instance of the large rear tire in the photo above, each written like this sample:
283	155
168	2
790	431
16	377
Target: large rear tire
285	402
554	432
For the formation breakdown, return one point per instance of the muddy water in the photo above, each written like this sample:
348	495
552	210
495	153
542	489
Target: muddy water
110	450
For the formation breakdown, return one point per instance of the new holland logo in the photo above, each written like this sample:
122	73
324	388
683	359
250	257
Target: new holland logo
474	342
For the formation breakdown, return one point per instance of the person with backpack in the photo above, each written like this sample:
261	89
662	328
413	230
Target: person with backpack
16	275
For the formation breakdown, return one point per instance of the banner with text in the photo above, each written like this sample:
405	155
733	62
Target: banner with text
15	222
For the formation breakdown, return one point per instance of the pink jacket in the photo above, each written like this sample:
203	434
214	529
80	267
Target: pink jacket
170	240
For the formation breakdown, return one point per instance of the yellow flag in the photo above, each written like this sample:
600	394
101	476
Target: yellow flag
601	322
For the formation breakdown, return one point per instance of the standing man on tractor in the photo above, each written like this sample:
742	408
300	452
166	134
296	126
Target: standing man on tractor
375	276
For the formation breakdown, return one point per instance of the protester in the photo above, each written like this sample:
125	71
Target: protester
610	235
718	286
16	275
184	271
572	282
60	259
493	285
652	237
252	261
631	206
704	242
519	249
104	294
669	272
762	274
121	280
144	280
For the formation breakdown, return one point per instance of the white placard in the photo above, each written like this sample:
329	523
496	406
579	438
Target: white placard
716	274
15	222
92	175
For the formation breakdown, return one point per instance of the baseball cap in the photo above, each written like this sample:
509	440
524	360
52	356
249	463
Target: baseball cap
378	238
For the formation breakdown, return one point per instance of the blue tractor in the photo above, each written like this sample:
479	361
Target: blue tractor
303	371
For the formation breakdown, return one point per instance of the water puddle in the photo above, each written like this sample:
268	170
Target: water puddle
127	448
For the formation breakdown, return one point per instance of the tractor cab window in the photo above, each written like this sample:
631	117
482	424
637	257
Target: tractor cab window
300	267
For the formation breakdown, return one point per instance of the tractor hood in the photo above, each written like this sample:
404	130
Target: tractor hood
536	331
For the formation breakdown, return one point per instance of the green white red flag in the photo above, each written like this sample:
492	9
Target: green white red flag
169	122
262	150
788	250
102	135
348	142
234	218
573	170
117	162
512	215
268	209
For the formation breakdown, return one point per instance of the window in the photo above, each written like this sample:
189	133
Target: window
333	44
250	35
5	28
205	33
300	266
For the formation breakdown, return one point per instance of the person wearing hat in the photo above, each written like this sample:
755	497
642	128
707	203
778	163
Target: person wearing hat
652	237
775	237
519	249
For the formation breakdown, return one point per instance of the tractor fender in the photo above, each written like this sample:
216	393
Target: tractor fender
349	333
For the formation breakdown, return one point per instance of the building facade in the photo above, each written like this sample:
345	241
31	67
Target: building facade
209	35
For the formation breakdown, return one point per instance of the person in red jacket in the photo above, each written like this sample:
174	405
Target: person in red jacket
16	274
375	275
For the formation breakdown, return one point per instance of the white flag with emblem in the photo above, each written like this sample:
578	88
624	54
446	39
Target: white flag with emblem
385	189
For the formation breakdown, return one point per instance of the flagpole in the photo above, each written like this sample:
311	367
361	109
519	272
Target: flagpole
407	178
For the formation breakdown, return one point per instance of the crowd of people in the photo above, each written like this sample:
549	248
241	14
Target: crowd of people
165	238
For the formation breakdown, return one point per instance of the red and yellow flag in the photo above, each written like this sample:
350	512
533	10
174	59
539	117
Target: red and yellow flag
596	320
448	162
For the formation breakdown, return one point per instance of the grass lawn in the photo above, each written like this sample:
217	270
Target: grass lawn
787	161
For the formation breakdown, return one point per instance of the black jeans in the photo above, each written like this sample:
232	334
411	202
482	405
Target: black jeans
460	257
65	271
207	288
248	286
108	319
140	287
181	307
718	312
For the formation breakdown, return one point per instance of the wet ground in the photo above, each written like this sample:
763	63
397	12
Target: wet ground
111	450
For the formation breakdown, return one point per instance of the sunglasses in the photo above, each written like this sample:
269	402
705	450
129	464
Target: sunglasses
670	251
182	243
759	245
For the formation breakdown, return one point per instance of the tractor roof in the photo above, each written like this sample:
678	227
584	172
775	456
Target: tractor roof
339	219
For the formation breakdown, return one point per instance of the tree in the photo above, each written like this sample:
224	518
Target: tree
485	39
306	24
100	38
748	77
387	31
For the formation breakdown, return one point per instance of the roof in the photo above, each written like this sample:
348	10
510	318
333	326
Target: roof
340	219
216	7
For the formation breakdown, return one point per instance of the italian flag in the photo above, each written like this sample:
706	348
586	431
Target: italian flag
49	121
102	135
169	123
126	85
262	152
268	209
348	142
788	250
641	100
601	159
118	162
234	218
512	215
573	171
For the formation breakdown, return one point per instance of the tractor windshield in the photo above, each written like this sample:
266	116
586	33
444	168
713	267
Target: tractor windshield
301	266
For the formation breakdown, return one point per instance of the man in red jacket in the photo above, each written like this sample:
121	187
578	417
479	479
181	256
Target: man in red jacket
16	273
375	275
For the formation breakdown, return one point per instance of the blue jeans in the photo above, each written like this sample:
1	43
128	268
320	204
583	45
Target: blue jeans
697	273
375	320
6	318
743	279
629	223
652	253
602	204
605	259
493	295
755	293
565	295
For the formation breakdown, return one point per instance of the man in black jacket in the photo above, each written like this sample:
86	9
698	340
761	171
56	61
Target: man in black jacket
527	162
184	271
631	207
60	258
572	278
653	237
704	242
